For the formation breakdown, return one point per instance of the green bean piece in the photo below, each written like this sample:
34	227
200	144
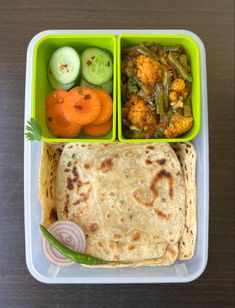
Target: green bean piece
159	99
166	85
180	69
183	59
133	134
131	87
148	53
68	253
175	48
187	107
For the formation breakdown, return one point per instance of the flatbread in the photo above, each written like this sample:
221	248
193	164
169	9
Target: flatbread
187	156
47	181
129	199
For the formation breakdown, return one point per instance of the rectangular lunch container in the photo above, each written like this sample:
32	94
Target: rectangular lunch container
39	267
42	52
168	38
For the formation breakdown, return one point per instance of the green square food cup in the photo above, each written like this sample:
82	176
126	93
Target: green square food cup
41	86
192	49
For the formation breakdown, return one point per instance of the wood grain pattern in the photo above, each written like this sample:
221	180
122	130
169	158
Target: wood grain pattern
213	21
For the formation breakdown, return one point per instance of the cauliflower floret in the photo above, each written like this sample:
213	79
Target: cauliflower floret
140	115
178	125
173	96
149	71
178	85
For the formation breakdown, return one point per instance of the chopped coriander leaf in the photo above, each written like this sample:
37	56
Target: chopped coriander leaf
69	164
73	155
130	216
121	201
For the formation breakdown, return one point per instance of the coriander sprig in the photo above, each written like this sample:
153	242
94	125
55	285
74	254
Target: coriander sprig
33	130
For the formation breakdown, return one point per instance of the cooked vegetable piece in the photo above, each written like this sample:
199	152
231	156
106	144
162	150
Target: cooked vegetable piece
178	125
166	85
57	121
65	65
187	107
159	99
107	107
181	70
82	105
97	65
97	130
175	48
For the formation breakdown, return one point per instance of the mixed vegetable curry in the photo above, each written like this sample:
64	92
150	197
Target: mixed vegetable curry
156	91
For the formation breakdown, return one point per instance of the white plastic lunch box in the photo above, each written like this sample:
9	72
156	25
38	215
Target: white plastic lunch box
181	271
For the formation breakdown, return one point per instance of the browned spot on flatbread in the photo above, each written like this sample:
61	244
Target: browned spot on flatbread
47	193
161	161
66	170
87	166
159	176
150	147
94	227
131	247
53	216
148	162
135	236
117	236
115	155
171	251
161	214
138	195
106	165
69	183
117	258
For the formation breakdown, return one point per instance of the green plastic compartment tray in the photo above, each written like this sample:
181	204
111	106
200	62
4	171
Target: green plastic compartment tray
192	50
41	86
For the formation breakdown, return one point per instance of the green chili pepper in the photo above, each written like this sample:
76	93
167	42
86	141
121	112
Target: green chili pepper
166	85
180	69
159	98
70	254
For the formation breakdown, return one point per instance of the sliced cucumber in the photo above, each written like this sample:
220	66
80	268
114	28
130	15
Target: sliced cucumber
97	65
57	85
65	65
107	86
86	84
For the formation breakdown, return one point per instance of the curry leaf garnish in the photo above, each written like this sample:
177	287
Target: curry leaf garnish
33	130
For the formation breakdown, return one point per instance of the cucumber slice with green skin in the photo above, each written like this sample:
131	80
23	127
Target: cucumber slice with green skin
57	85
86	84
107	86
65	65
97	65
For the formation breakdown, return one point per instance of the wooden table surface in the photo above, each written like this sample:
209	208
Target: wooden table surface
213	21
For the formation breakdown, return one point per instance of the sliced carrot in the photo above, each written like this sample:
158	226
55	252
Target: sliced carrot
56	98
55	116
97	130
107	107
82	105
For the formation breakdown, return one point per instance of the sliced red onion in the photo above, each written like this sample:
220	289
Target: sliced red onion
70	235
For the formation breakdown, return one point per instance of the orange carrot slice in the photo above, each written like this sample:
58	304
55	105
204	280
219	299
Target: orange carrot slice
107	107
82	105
97	130
55	117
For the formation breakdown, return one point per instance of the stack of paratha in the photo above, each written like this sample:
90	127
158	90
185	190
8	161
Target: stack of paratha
135	202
